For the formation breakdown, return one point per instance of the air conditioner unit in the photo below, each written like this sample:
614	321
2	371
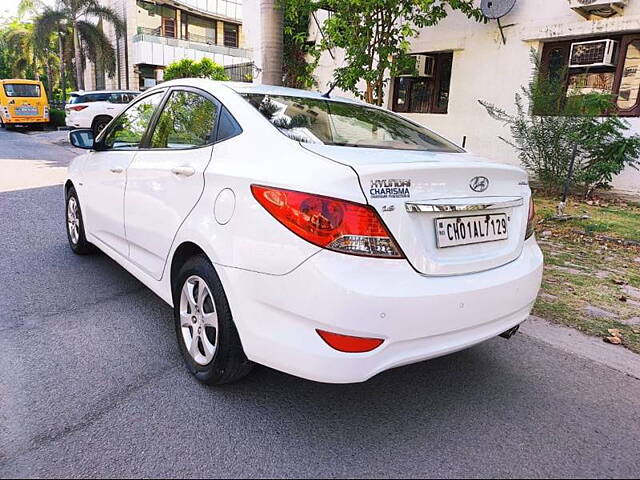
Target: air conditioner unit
596	53
425	65
599	8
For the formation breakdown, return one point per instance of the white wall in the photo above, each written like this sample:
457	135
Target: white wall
484	68
252	35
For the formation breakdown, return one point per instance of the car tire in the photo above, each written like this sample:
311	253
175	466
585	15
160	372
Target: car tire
99	124
75	225
217	356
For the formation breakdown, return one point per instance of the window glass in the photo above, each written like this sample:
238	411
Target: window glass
199	29
402	93
153	19
230	35
129	128
557	63
425	94
630	82
313	120
227	127
421	94
444	83
187	121
92	97
21	90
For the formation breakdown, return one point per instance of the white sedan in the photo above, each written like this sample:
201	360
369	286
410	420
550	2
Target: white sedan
318	236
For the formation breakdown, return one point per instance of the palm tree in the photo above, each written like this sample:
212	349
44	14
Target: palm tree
271	20
76	18
28	60
19	41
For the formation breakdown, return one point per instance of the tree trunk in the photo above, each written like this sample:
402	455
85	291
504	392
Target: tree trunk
272	57
78	60
49	79
63	83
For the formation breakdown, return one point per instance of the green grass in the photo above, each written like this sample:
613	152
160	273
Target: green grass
582	269
612	219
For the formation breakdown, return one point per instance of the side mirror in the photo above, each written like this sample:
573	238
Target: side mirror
82	138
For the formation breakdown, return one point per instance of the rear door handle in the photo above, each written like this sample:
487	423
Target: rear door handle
184	171
116	170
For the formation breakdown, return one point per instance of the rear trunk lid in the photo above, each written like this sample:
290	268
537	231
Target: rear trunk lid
426	199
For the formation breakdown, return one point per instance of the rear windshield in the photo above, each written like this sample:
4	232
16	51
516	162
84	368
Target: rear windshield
21	90
312	120
91	97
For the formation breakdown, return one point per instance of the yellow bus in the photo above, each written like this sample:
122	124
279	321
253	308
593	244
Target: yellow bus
22	103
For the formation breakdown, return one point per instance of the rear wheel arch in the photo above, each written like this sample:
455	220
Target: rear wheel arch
184	252
67	186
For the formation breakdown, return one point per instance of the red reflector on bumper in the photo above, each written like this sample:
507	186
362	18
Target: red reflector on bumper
349	344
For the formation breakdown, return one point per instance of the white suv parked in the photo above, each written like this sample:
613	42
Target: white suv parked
95	110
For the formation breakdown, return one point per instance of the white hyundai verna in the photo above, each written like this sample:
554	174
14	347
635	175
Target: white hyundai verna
319	236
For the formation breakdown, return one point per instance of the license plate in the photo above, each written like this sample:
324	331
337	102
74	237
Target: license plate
456	231
27	111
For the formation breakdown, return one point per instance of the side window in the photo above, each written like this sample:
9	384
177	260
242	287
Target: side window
227	126
115	98
128	129
187	121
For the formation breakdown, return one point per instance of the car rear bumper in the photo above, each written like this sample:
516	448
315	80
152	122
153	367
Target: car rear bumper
418	317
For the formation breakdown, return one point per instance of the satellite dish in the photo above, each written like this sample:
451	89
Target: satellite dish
495	9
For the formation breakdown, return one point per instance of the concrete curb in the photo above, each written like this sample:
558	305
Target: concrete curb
577	343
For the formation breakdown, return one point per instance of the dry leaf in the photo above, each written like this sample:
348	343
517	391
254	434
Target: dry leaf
613	340
614	332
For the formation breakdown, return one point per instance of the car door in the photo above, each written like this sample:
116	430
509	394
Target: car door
105	172
166	178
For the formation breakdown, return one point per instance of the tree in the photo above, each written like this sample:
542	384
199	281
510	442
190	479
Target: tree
187	68
564	138
73	17
271	21
375	34
300	58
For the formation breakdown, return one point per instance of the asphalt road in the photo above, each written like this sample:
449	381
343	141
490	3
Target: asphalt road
92	384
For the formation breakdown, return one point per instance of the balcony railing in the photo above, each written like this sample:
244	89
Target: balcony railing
196	42
192	37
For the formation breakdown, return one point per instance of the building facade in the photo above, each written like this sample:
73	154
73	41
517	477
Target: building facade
159	32
464	62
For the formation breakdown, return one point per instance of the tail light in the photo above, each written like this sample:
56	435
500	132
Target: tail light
78	108
349	344
337	225
46	113
531	219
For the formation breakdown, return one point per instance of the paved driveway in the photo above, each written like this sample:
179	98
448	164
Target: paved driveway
92	384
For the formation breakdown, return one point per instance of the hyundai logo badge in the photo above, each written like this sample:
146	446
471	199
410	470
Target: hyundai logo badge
479	184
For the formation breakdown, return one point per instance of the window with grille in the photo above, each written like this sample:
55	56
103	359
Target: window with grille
230	35
425	94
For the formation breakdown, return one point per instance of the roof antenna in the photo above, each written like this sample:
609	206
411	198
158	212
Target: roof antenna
333	85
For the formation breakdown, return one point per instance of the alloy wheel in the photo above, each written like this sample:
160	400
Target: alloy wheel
73	220
198	320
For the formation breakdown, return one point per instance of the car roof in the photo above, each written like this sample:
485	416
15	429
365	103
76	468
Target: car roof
89	92
249	88
244	87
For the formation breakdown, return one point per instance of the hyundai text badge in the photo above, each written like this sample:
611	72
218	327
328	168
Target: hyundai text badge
479	184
